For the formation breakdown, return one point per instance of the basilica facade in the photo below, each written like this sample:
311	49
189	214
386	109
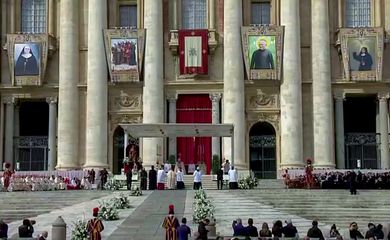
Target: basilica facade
297	79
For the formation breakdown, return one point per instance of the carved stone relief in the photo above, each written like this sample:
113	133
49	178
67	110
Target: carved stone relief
126	102
263	100
124	119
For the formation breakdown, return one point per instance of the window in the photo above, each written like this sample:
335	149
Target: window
260	12
128	16
34	16
358	13
194	14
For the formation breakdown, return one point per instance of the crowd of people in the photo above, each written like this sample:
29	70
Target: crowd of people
94	228
26	230
290	231
124	52
340	180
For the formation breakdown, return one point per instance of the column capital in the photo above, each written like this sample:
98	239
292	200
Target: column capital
172	97
10	100
215	97
383	96
51	100
339	96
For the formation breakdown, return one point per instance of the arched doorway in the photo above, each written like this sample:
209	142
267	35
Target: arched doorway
262	150
118	150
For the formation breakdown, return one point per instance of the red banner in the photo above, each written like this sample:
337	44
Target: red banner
193	49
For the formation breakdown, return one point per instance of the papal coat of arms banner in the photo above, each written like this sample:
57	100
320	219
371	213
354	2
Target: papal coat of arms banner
125	53
193	51
263	51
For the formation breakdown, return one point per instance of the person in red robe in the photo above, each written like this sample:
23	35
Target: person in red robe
7	175
309	174
95	226
171	224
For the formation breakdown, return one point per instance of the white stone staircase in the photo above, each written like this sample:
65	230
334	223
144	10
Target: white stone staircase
207	182
271	184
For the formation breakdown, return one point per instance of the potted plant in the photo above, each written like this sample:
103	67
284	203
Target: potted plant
216	164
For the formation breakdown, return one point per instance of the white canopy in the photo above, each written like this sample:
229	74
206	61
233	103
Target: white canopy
178	130
164	130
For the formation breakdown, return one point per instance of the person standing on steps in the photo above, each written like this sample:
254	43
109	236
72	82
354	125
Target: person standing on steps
197	179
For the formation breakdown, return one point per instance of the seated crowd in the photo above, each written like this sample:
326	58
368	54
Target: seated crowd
340	180
40	183
290	231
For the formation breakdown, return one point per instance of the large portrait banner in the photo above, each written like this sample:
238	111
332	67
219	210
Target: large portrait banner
263	48
362	53
124	52
27	55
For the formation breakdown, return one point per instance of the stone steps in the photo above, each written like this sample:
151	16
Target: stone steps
302	206
270	184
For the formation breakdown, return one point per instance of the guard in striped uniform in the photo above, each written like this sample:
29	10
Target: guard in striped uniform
95	226
171	224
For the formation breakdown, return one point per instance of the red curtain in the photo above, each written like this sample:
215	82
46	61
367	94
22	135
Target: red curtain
194	109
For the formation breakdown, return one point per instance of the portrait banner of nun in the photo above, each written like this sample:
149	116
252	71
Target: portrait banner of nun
362	53
27	59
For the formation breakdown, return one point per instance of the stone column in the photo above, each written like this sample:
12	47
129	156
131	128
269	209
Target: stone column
125	143
322	89
153	92
340	144
52	138
9	132
172	119
290	89
384	130
12	13
16	127
174	15
68	97
96	140
216	141
233	90
52	17
211	14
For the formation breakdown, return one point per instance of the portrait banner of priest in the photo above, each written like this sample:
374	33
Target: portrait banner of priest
262	47
27	55
124	52
362	53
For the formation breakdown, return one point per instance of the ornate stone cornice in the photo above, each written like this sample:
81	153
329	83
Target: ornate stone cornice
126	118
272	118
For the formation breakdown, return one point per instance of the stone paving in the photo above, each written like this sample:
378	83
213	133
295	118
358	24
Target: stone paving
144	219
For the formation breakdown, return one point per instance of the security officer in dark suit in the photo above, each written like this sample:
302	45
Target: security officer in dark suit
220	178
